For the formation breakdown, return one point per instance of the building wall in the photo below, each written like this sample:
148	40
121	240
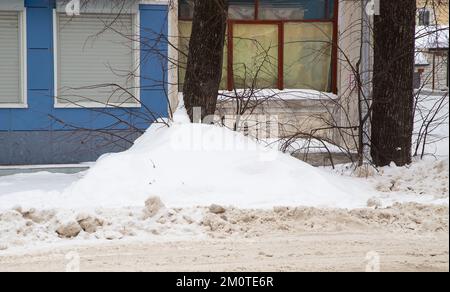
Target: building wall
31	136
307	115
434	76
43	134
280	118
438	7
349	58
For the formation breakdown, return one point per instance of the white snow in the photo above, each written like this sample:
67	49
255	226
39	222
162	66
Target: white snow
193	164
425	181
433	110
420	59
36	182
431	37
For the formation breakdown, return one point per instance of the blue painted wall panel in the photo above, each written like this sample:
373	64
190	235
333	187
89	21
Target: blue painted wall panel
40	133
5	116
39	28
40	69
5	148
153	46
69	119
154	49
36	116
118	119
40	3
29	147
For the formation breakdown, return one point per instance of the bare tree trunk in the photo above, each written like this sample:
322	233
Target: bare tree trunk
204	65
393	96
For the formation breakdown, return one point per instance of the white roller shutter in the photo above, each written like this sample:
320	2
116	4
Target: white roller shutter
10	58
11	5
90	55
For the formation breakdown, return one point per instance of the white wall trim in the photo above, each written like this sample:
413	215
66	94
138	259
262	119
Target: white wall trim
92	104
23	71
136	46
24	59
172	56
55	57
156	2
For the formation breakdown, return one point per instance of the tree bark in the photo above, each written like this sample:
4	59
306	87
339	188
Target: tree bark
205	58
393	96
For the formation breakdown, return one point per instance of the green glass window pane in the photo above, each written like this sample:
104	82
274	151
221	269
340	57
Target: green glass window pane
255	55
307	56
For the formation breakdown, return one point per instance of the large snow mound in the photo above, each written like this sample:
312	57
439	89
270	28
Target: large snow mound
194	164
189	165
197	165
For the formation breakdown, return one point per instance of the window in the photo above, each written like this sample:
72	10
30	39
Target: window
424	17
307	55
95	51
12	58
186	9
284	44
255	55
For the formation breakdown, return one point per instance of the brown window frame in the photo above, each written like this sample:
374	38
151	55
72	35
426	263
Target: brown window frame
281	23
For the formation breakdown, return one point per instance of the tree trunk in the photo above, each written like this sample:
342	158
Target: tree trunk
205	58
393	96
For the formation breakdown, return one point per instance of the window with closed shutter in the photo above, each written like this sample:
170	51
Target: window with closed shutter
95	60
11	79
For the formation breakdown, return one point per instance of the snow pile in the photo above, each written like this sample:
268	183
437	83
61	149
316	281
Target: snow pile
27	228
408	217
422	181
194	164
425	181
22	229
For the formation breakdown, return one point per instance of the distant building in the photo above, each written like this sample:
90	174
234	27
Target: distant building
432	38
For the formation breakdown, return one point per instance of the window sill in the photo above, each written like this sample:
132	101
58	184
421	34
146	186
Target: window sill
92	105
276	94
13	106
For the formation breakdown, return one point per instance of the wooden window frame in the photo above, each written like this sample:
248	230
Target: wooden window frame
280	23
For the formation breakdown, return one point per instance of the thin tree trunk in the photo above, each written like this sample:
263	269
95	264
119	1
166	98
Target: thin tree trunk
393	96
205	58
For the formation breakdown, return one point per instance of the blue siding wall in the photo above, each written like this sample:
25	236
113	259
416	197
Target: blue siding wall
36	135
